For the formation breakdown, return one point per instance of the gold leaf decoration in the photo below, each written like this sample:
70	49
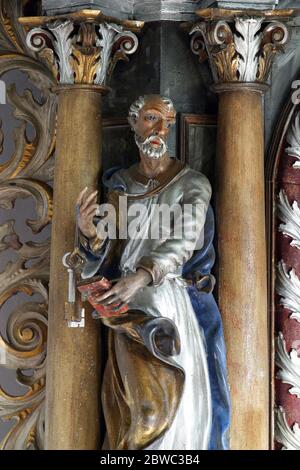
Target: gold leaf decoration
27	173
85	65
226	63
241	49
29	157
266	60
11	32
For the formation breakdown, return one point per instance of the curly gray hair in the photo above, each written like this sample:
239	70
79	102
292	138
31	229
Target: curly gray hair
136	107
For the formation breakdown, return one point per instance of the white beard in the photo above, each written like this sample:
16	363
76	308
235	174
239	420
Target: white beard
146	147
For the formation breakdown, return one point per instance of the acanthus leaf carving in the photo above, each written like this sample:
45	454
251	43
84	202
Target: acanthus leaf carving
289	366
84	54
247	45
288	437
62	49
240	50
288	287
293	139
274	37
290	216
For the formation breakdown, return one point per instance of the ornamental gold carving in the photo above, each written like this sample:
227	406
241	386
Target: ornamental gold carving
240	49
79	51
27	173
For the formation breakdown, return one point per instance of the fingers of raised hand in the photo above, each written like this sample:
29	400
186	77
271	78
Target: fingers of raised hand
81	196
91	199
90	210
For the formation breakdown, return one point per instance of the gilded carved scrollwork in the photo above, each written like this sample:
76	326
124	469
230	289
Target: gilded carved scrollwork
26	329
25	347
12	35
241	49
27	173
29	158
14	52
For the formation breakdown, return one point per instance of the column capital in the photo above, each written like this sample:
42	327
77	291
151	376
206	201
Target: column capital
82	47
240	44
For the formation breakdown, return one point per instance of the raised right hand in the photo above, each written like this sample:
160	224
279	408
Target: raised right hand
87	208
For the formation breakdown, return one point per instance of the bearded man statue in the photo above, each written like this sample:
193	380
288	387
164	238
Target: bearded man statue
165	384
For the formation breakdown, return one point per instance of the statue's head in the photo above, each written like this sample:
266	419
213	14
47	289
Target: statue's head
151	117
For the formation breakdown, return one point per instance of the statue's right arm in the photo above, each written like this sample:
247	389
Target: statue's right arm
95	253
94	249
93	245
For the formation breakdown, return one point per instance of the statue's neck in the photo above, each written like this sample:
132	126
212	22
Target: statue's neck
151	168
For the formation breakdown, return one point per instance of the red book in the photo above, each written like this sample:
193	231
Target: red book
98	285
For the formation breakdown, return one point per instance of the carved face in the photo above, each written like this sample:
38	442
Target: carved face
152	127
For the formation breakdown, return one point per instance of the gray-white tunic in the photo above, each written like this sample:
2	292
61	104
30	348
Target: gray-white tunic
167	296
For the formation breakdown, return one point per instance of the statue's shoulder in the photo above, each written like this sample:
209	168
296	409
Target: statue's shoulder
190	174
195	186
116	178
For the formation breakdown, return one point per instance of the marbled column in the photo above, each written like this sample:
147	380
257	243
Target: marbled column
241	48
81	49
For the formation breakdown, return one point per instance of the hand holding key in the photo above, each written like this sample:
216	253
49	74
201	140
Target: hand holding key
86	210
